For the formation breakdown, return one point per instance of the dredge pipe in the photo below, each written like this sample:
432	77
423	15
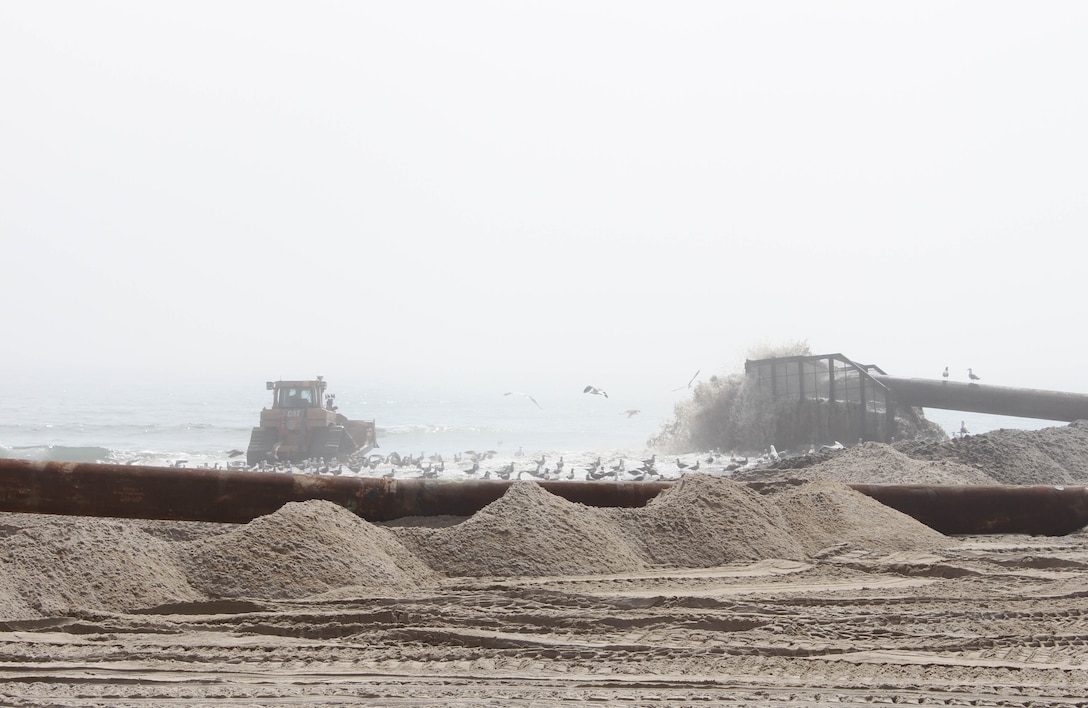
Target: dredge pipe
983	509
980	398
200	494
228	496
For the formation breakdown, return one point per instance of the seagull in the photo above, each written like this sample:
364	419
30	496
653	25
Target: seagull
689	382
235	453
963	428
631	412
945	374
971	375
595	391
519	393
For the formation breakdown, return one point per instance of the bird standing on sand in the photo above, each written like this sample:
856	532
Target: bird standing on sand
971	375
525	395
945	374
595	391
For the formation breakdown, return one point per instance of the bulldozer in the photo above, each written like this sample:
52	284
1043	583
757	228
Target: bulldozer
303	424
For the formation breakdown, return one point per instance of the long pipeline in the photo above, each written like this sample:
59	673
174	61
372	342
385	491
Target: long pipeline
227	496
984	398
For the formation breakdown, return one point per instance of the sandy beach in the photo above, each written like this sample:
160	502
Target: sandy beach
802	593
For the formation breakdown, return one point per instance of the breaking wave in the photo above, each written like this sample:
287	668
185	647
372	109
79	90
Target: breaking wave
57	453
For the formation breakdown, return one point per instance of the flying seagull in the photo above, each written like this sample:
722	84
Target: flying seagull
971	375
689	382
632	412
519	393
595	391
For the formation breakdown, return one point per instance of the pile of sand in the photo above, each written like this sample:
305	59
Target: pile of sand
54	565
527	531
824	514
1057	455
302	549
868	463
704	521
877	463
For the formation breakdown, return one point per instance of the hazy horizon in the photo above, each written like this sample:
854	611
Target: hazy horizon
512	196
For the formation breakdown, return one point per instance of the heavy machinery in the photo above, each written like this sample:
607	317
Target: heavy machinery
303	424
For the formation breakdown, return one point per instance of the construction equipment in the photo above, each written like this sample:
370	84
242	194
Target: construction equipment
303	424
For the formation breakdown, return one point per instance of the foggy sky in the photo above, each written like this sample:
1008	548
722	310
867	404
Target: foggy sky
611	193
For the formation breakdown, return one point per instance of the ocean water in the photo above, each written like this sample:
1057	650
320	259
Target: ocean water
197	423
160	423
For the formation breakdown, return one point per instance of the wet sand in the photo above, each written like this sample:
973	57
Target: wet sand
807	594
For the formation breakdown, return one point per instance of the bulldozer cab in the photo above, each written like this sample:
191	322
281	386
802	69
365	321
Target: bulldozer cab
296	394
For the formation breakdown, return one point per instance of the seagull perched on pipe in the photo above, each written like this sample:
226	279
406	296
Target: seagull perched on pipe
595	391
945	374
971	375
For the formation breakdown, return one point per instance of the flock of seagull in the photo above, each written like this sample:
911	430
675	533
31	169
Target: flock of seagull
487	465
484	465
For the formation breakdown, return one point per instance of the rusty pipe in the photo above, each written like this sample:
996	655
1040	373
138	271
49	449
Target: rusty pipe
985	398
226	496
982	509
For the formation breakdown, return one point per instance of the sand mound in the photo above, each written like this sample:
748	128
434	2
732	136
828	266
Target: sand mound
705	521
825	513
527	531
303	549
877	463
1057	455
55	565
